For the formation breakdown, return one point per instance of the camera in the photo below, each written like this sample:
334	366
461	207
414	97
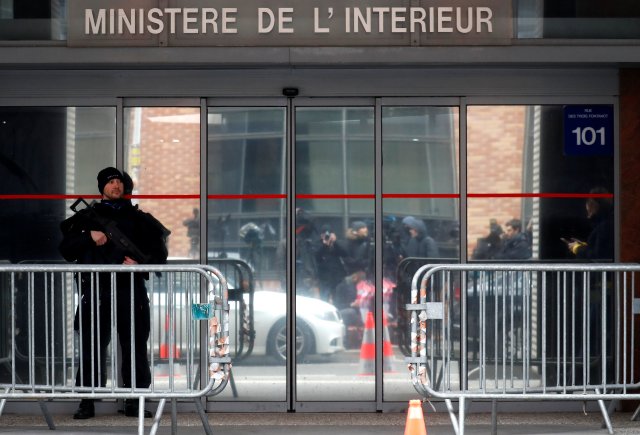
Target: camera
326	236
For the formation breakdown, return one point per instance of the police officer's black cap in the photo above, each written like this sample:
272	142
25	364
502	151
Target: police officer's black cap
106	175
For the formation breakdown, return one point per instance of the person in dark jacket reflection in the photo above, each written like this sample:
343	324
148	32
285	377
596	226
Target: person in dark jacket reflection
306	267
419	244
598	247
85	242
599	244
487	247
515	245
330	257
359	249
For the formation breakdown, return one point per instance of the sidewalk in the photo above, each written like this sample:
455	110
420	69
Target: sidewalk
326	423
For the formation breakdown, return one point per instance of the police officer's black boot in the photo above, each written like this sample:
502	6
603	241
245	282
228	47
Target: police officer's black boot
85	410
131	408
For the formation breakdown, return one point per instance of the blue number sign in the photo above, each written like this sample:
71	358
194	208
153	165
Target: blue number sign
588	130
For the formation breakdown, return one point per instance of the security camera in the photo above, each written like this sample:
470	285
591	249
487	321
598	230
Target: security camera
290	92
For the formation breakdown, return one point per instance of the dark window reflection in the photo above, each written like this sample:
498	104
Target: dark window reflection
45	151
578	19
32	20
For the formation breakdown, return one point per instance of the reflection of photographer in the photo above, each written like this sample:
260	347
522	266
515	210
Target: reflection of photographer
253	235
359	250
193	232
329	260
306	240
487	247
328	238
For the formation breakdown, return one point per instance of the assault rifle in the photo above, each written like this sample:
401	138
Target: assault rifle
111	230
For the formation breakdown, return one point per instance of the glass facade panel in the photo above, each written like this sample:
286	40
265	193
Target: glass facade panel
578	19
162	156
420	212
526	193
33	20
334	253
50	151
246	221
527	199
47	155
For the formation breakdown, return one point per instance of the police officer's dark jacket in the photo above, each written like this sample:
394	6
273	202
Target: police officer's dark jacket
141	228
147	233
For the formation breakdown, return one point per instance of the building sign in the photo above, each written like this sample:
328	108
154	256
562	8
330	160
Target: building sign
288	22
588	130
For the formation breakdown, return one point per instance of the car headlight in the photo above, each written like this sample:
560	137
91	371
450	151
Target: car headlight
328	315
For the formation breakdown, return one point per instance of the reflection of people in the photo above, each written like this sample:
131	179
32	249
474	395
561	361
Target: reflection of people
515	245
419	243
306	269
193	232
346	294
329	259
358	248
392	252
487	247
85	242
599	244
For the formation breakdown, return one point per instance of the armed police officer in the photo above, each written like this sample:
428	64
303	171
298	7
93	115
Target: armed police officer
113	231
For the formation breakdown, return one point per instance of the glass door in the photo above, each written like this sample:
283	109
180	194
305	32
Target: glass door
335	253
162	160
376	188
324	237
247	240
420	209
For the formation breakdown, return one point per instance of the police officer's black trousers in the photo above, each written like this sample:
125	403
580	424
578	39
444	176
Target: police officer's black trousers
94	321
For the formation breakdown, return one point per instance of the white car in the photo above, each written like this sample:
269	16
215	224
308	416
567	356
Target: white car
319	326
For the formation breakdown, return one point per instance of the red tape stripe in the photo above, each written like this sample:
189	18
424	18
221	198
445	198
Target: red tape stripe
271	196
164	196
540	195
321	196
328	196
55	196
37	196
421	195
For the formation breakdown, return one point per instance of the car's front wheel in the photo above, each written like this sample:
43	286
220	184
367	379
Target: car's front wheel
277	340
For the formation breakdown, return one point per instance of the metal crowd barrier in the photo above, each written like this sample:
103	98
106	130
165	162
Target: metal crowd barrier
41	351
241	283
516	332
405	271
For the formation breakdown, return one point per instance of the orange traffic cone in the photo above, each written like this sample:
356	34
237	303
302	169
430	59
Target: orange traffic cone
164	351
415	420
368	348
164	347
387	350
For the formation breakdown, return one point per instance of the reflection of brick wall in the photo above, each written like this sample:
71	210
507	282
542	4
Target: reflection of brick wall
495	143
169	163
